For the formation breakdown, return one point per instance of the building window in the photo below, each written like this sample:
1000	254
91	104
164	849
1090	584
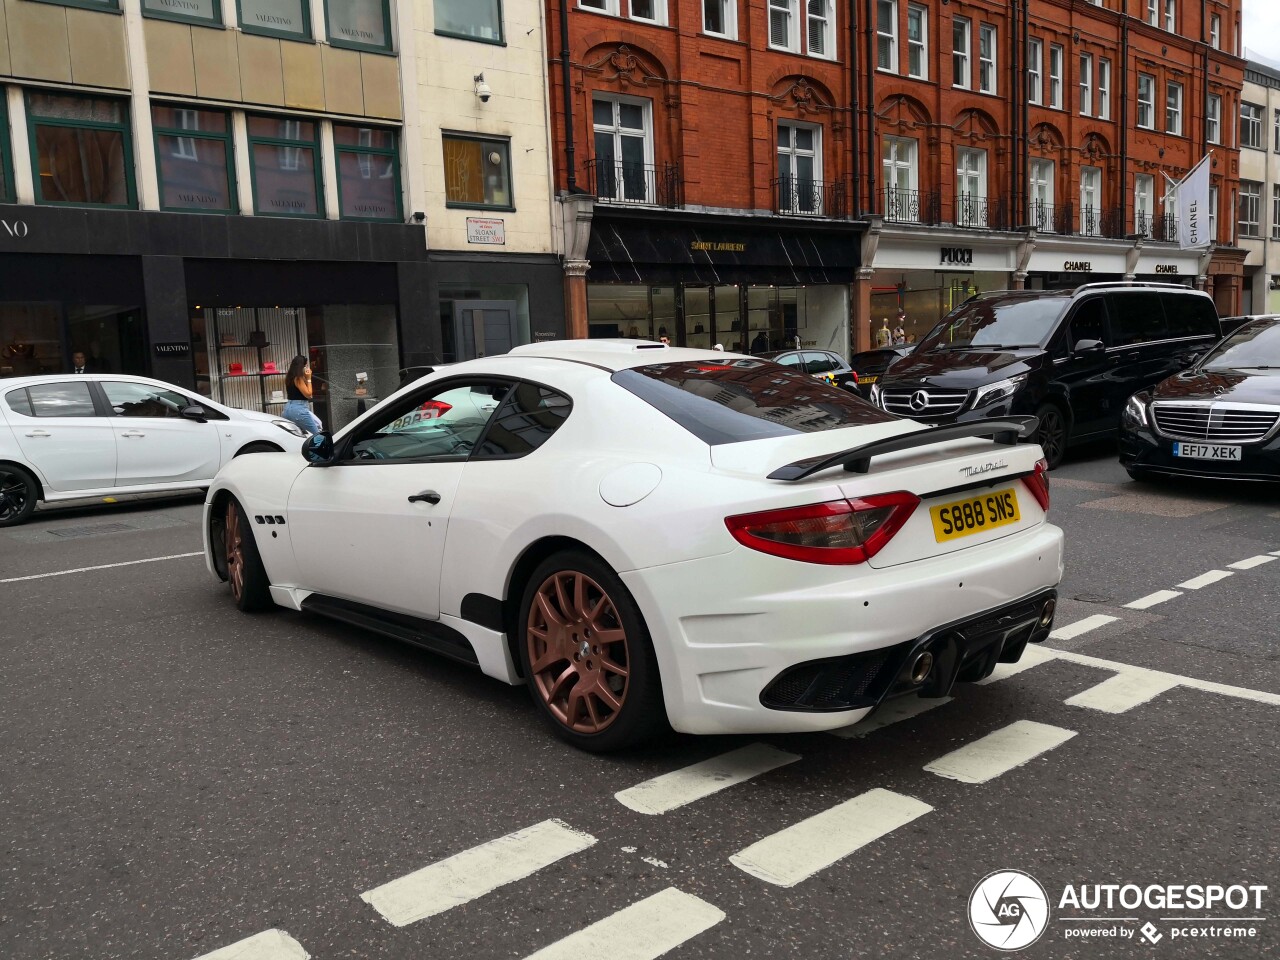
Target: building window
6	166
276	18
654	11
1146	118
82	151
366	24
198	11
1056	57
1213	214
1104	89
901	172
1090	201
194	159
469	19
987	58
719	18
623	149
971	187
1086	84
1144	188
1153	12
1250	209
477	172
887	35
368	173
821	29
784	32
1035	71
1170	15
1215	31
1251	126
1041	193
1173	109
961	38
1275	212
1213	120
284	161
799	168
918	41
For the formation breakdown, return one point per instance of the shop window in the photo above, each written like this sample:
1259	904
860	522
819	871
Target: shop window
194	159
6	166
1035	71
276	18
623	162
800	187
82	151
362	24
284	164
368	172
720	18
1251	126
477	172
190	11
470	19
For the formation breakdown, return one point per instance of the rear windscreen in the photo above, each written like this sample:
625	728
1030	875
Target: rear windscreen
737	400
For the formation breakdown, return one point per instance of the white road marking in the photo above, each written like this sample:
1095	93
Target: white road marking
1124	691
1251	562
999	752
901	708
801	850
268	945
1205	579
1080	627
473	873
642	931
104	566
1208	686
1032	656
1151	599
675	789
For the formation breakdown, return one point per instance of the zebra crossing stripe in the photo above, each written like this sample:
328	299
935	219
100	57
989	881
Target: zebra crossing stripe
268	945
473	873
643	931
684	786
999	752
803	849
1124	691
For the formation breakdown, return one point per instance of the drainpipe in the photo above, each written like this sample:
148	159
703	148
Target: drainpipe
871	104
1124	120
1023	189
570	152
1015	124
854	110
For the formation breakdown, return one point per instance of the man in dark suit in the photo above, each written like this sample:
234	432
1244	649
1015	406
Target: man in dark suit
80	363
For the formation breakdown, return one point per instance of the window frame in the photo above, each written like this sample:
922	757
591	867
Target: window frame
1103	88
895	63
650	145
8	192
1250	229
922	45
1144	202
393	152
1171	16
511	177
794	151
389	46
1037	166
1174	128
792	9
830	35
252	141
214	21
308	34
228	138
1092	183
124	128
102	6
1150	104
661	15
979	217
1276	129
1057	79
962	59
1254	122
1035	69
991	30
729	11
1213	120
1275	211
1215	31
1086	85
1213	214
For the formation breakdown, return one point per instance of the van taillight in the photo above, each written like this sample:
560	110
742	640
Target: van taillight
836	532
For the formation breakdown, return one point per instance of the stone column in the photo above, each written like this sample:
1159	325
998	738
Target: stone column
575	298
576	212
861	304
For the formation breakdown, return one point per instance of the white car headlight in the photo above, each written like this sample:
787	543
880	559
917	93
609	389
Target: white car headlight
1135	410
290	427
1000	390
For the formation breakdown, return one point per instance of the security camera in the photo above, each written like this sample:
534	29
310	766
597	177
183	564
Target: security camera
482	88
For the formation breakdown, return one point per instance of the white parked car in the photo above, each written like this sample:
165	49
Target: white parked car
89	435
648	535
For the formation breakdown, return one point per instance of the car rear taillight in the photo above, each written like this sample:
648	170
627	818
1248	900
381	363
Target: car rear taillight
435	408
837	532
1038	484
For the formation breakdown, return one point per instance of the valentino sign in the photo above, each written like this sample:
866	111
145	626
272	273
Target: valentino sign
14	228
959	256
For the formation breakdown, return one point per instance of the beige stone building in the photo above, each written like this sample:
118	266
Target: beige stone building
1259	213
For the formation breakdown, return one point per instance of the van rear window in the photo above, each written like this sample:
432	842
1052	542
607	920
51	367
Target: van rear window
735	400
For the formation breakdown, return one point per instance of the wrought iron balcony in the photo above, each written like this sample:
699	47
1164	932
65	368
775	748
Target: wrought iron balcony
982	213
911	206
1167	228
798	197
1048	218
642	184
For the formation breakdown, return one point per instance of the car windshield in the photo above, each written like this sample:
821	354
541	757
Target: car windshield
993	323
1255	346
737	400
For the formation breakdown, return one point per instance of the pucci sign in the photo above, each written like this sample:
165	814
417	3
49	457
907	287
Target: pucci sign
957	256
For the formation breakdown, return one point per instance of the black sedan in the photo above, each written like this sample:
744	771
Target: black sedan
1218	418
870	365
824	364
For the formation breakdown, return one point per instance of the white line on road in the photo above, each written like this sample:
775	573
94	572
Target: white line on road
1080	627
642	931
268	945
1151	599
801	850
902	708
473	873
1251	562
1031	657
1124	691
104	566
1205	579
1208	686
999	752
675	789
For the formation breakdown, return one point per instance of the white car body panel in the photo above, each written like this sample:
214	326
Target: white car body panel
69	455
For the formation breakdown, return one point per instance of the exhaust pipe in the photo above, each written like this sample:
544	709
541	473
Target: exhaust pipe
921	667
1046	615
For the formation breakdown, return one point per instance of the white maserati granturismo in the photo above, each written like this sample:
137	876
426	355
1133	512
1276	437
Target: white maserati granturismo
649	536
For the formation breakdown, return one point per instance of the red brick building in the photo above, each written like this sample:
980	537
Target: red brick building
807	169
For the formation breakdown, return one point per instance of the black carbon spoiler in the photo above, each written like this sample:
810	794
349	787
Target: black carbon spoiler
1004	430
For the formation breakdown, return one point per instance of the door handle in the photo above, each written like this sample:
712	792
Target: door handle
39	433
133	433
427	496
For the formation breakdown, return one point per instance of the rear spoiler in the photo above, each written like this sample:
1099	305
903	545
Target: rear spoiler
1004	430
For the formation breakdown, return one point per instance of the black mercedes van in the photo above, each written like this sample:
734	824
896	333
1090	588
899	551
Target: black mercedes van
1070	357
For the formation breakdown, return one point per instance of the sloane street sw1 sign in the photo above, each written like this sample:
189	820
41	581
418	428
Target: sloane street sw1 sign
487	230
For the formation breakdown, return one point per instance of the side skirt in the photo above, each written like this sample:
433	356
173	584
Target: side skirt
428	634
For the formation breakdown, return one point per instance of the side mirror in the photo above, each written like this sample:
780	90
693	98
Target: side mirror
1089	346
318	449
194	411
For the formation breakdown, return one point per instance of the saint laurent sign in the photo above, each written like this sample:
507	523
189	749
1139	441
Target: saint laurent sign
707	246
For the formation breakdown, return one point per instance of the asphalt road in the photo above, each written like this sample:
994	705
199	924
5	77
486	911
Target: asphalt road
179	778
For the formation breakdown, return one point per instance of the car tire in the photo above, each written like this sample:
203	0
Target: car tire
1052	433
260	446
571	603
18	495
250	587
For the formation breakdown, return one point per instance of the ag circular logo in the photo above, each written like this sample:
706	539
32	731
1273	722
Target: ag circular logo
1008	910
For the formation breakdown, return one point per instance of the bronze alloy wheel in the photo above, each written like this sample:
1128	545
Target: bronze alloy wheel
233	544
579	659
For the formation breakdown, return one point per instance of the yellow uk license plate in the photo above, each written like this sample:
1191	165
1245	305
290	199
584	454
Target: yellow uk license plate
868	379
960	518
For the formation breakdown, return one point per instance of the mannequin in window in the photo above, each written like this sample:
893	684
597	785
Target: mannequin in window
884	336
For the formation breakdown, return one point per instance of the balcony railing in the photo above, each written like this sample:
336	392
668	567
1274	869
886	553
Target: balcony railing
1166	228
983	213
912	206
642	184
1048	218
798	197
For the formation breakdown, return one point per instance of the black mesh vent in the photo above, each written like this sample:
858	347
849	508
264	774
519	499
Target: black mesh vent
842	683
